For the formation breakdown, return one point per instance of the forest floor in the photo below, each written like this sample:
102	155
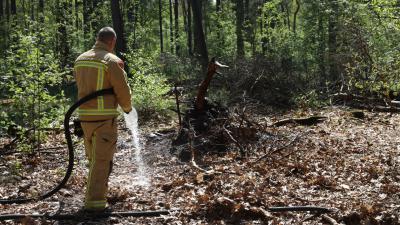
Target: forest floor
350	165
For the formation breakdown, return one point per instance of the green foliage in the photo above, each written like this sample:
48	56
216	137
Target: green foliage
310	100
31	81
148	85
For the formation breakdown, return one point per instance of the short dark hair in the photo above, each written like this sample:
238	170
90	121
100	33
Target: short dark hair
106	34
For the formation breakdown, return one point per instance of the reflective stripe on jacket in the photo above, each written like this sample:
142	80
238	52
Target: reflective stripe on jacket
99	69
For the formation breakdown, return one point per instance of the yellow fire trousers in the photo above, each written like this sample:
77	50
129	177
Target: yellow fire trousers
100	146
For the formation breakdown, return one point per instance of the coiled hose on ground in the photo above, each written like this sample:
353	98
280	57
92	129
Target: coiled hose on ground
67	132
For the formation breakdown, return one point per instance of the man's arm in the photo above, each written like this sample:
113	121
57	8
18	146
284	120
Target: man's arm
119	82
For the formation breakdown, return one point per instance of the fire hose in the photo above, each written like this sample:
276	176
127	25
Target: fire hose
70	168
68	137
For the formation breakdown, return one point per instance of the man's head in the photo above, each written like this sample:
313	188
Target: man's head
108	36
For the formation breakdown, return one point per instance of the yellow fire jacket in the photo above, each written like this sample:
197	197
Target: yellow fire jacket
99	69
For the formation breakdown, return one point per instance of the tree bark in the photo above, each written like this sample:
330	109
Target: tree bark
176	14
86	24
32	4
332	40
1	10
239	28
160	23
77	20
295	16
189	31
171	27
41	10
41	6
218	6
8	9
94	21
13	7
184	14
118	24
63	46
199	39
321	50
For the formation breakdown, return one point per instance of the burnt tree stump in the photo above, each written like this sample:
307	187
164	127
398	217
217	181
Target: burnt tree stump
201	116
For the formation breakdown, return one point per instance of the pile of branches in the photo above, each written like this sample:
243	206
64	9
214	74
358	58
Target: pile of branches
214	130
370	103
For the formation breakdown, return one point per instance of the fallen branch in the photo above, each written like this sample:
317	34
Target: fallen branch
315	209
242	152
301	121
329	220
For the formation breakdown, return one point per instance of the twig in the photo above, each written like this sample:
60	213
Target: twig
329	220
234	141
279	149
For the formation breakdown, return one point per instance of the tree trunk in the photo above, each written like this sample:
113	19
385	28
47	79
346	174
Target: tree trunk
1	10
118	24
77	20
131	16
13	7
321	50
171	27
160	23
8	9
62	40
189	32
204	15
32	4
239	28
86	24
332	40
176	12
184	14
94	21
41	6
295	16
41	10
218	6
200	46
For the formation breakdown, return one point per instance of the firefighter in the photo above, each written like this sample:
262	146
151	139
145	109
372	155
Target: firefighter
95	70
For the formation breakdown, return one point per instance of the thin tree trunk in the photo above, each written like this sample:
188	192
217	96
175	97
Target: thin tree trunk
239	28
86	24
204	15
94	21
295	16
62	43
171	28
184	14
160	23
13	7
77	20
32	4
332	40
176	12
8	9
41	10
218	6
41	6
321	51
1	10
189	21
200	41
118	24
